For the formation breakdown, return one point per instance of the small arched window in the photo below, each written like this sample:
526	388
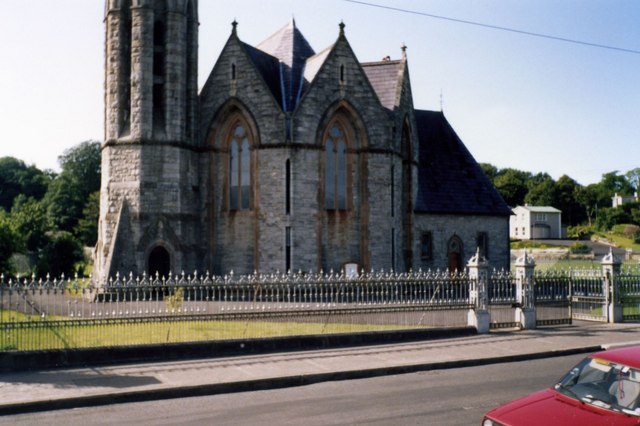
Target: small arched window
336	169
239	168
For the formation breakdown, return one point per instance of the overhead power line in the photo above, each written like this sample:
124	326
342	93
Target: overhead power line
496	27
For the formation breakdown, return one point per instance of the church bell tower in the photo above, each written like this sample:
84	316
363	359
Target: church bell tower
150	189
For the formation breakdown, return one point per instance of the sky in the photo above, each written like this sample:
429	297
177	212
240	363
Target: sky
532	103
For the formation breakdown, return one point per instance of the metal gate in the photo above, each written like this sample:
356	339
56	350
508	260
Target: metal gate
552	298
588	295
629	287
502	301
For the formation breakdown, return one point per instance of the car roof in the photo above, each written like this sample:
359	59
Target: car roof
629	356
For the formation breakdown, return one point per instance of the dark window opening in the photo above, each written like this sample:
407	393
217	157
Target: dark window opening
288	249
158	66
426	246
125	70
482	242
393	191
159	262
287	189
393	248
233	71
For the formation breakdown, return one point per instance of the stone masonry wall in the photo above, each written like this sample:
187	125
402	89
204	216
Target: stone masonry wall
466	227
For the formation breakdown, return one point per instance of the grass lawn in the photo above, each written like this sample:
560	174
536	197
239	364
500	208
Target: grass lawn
21	333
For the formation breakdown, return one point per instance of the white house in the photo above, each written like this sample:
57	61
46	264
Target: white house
535	223
618	200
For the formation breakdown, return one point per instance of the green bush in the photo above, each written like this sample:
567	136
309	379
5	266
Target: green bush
579	248
580	232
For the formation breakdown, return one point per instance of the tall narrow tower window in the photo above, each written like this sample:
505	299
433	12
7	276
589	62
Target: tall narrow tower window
287	187
287	249
124	86
233	72
158	71
393	191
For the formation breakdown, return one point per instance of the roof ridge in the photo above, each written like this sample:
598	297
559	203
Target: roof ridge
382	62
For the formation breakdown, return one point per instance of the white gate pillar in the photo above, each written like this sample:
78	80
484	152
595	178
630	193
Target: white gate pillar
610	271
525	309
478	316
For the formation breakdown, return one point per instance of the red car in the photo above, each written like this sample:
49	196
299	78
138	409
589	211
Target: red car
603	389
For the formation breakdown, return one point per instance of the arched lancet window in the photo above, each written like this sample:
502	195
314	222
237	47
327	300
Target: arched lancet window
239	168
336	168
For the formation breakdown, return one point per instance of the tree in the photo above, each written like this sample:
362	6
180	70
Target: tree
17	178
30	220
87	229
613	183
60	255
490	170
567	200
542	191
69	191
633	177
83	163
9	244
587	198
512	185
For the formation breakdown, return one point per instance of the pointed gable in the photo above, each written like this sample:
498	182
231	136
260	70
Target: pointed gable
450	180
290	47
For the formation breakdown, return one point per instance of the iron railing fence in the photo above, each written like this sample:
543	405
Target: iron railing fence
37	314
628	282
72	313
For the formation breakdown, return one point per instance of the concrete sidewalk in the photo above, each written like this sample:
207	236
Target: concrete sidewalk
79	387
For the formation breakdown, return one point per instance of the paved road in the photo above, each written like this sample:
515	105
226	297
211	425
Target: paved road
443	397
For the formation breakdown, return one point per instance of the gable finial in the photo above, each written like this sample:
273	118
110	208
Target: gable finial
441	102
234	26
341	28
404	51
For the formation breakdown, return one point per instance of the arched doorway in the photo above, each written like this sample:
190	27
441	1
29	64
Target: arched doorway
454	254
159	262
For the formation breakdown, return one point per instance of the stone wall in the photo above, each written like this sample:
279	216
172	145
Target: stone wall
466	227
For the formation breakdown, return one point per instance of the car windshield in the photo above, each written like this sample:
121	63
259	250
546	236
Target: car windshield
604	384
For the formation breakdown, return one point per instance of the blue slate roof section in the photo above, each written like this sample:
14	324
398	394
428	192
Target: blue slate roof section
269	68
449	178
385	79
292	50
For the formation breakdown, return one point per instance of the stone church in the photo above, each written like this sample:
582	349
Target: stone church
287	159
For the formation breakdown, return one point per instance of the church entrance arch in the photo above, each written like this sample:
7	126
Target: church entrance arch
454	254
159	262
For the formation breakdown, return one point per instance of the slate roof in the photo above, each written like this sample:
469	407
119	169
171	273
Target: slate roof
269	68
541	209
290	47
385	78
449	178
